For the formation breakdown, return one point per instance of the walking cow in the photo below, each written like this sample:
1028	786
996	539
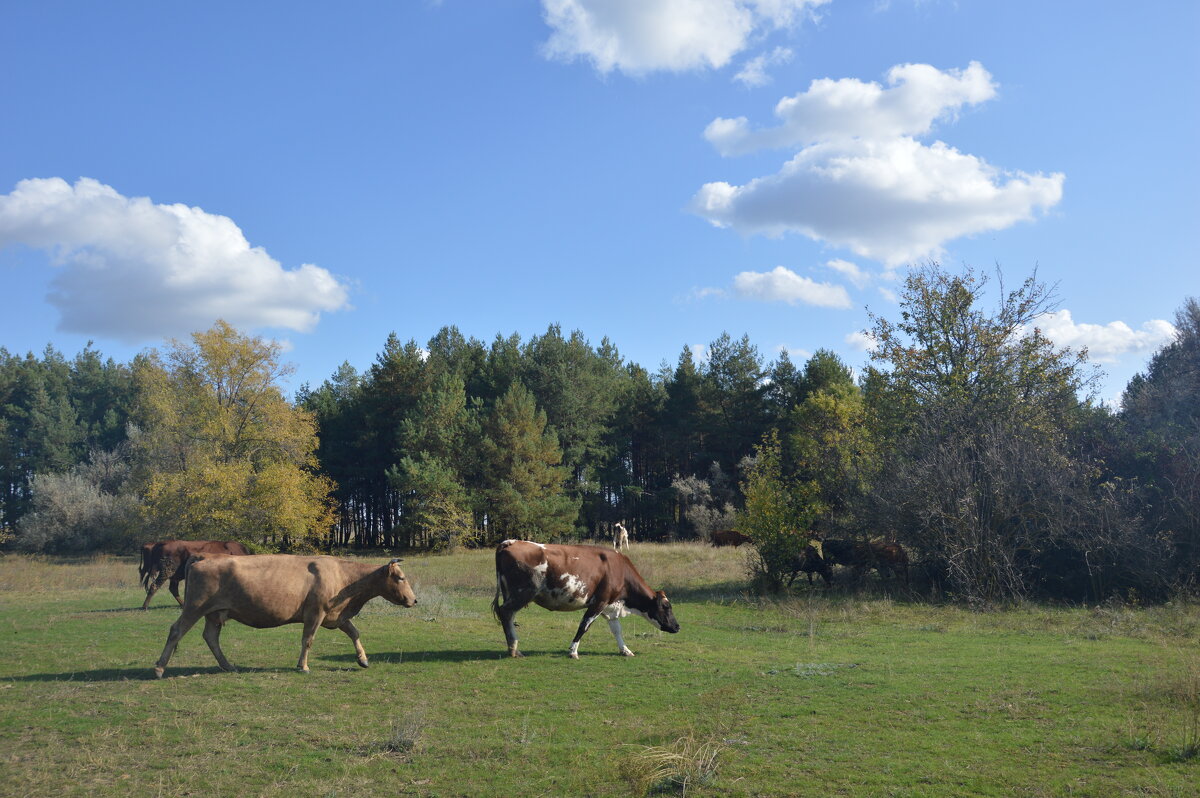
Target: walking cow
276	589
572	578
168	559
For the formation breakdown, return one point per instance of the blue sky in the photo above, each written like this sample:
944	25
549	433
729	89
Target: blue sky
654	171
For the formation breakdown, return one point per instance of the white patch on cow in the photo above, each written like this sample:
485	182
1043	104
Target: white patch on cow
616	610
572	594
541	568
575	587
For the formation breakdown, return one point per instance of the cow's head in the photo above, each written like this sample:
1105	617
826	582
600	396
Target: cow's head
396	587
661	614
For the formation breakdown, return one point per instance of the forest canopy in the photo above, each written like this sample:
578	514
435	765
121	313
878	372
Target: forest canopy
969	438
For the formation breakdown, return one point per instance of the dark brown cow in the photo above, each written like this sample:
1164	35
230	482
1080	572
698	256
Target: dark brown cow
811	562
729	537
571	578
276	589
860	556
168	559
891	557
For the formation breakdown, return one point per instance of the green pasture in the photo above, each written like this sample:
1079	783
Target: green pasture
843	693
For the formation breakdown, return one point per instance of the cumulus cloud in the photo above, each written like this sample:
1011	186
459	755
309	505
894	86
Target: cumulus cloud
784	285
893	202
862	181
1105	343
131	269
857	277
862	341
754	72
641	36
838	110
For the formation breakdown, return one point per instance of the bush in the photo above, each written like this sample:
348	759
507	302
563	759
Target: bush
73	515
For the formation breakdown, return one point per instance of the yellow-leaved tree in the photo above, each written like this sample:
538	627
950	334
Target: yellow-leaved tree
220	452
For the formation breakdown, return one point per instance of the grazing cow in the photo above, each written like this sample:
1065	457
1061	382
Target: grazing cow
571	578
860	556
729	537
891	557
276	589
810	561
168	559
620	537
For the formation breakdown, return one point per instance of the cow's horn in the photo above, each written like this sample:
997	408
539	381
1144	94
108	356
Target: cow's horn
395	560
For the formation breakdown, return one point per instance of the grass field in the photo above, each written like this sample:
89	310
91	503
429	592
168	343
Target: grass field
817	694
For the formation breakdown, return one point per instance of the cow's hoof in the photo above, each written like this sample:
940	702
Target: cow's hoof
626	652
362	663
158	673
573	655
515	654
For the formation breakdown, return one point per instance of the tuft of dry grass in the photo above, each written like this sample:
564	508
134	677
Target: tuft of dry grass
687	762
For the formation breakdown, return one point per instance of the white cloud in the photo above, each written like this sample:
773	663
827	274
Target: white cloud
857	277
839	110
892	201
640	36
1106	343
784	285
862	341
862	181
131	269
754	73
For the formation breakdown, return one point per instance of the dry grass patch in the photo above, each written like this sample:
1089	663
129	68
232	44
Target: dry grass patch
687	763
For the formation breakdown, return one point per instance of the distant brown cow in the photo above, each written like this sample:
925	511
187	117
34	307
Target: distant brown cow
729	537
571	578
276	589
861	556
811	562
168	558
891	557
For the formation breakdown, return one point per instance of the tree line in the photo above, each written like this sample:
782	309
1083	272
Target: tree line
968	437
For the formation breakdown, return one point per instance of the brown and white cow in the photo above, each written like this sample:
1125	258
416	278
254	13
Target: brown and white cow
275	589
168	559
620	536
571	578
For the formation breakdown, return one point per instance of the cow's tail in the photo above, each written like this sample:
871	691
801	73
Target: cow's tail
144	568
500	591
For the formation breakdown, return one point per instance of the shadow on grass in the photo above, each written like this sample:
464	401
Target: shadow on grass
175	607
129	674
719	591
408	657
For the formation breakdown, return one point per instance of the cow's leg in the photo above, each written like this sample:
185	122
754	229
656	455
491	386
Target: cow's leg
614	624
185	621
175	579
519	599
352	631
212	635
589	615
152	585
311	624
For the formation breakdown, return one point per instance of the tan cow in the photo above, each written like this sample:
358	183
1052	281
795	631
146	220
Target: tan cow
275	589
